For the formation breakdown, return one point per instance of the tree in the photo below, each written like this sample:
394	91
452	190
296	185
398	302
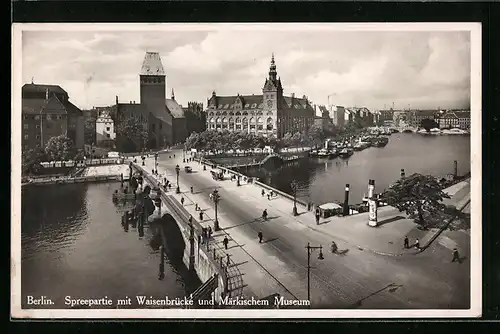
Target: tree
316	135
89	130
60	148
132	134
416	195
31	159
428	124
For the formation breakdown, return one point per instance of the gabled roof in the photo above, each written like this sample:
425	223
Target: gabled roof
462	114
227	102
424	113
152	64
296	103
174	108
35	88
39	106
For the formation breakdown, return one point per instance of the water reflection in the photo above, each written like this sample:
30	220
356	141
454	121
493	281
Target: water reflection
73	244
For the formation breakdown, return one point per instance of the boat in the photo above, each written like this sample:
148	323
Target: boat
346	152
380	142
454	131
407	131
324	153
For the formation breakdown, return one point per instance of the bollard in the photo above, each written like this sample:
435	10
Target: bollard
346	201
402	173
161	274
455	168
372	204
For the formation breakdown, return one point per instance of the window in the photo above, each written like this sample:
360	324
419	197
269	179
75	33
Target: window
254	105
25	117
224	123
260	125
37	137
269	125
25	136
107	135
37	117
252	123
247	105
107	128
25	126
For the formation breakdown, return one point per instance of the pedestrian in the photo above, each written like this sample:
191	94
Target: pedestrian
228	261
196	207
318	216
182	200
174	155
210	231
260	235
201	216
406	243
269	196
192	189
263	192
456	256
190	219
153	171
417	244
225	242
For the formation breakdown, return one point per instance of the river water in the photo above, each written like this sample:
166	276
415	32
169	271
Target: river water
324	180
73	244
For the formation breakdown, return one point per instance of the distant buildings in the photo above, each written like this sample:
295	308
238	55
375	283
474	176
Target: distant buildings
268	114
196	120
105	129
455	119
324	120
46	113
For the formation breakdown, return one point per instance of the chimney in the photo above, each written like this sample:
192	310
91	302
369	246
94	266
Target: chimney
293	95
116	99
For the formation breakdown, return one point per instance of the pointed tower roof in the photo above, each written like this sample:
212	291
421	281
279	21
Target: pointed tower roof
152	64
173	95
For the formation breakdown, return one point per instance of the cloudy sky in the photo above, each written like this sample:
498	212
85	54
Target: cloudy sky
355	68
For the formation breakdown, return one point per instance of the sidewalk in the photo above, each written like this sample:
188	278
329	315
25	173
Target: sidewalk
243	266
385	239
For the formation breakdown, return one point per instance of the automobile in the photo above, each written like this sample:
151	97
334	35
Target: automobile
188	169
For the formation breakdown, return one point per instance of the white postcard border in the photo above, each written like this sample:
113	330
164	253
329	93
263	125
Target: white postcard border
476	178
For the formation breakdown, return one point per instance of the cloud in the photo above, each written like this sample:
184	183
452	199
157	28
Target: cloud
421	69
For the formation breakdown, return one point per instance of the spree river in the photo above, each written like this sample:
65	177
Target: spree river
73	244
324	180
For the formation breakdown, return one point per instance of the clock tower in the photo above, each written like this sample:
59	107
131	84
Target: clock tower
272	94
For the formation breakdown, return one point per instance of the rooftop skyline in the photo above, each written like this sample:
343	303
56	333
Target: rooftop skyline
417	69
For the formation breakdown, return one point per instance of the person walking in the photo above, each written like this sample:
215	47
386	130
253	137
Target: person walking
209	232
456	256
318	216
201	216
269	196
417	244
192	191
406	243
228	261
196	207
225	242
182	200
260	235
263	193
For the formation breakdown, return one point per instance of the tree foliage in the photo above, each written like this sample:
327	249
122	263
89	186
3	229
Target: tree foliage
89	130
131	134
428	124
60	148
31	160
416	195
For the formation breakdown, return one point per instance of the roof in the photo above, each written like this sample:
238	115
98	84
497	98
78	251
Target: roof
174	108
38	106
36	88
424	113
152	64
296	103
248	101
71	108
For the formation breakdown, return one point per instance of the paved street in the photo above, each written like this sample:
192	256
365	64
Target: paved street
358	279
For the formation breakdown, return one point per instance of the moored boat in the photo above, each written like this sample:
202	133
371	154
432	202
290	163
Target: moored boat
346	152
380	142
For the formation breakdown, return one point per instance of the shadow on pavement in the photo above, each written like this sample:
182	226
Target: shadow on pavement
390	220
237	264
269	240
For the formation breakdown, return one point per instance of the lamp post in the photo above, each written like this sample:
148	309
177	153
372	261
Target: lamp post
310	249
294	186
156	163
177	170
216	199
183	155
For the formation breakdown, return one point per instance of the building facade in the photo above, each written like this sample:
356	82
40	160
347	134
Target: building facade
46	113
417	116
455	119
269	114
105	129
157	113
337	114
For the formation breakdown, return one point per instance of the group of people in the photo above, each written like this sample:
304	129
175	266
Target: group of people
270	194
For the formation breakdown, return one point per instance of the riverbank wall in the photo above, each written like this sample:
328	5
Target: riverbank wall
206	262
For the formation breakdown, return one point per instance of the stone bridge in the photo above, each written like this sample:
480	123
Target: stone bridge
207	260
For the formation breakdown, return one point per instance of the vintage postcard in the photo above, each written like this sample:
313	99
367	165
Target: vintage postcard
246	171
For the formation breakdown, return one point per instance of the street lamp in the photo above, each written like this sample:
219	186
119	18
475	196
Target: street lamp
216	199
183	155
294	186
310	249
177	170
156	163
